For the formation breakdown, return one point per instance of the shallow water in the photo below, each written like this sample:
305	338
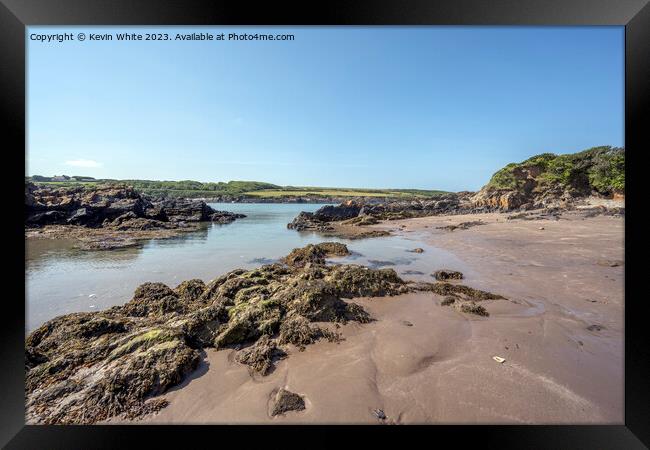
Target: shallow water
62	280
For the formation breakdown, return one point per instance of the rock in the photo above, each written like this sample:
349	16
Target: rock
458	291
610	263
190	290
225	217
45	218
462	225
361	214
446	274
315	254
319	220
448	300
286	401
305	221
596	327
297	330
87	367
107	243
379	414
261	356
550	180
361	221
416	250
182	210
153	299
346	210
357	281
471	308
375	263
118	206
364	234
412	272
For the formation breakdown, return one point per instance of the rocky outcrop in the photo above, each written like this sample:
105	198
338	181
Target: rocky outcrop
451	203
555	181
320	220
88	367
116	207
542	182
360	214
315	254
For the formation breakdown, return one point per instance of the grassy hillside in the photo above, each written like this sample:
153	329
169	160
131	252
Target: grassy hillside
601	169
250	189
342	192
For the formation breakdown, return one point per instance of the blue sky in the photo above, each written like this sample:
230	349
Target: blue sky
399	107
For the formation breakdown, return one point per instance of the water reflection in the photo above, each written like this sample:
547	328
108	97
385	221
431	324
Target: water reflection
61	279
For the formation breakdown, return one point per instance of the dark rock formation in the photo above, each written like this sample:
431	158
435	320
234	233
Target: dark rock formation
112	206
358	214
286	401
225	217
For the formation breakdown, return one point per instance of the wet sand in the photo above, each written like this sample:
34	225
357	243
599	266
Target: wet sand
559	281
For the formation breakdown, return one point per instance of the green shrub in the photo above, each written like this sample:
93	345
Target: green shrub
599	168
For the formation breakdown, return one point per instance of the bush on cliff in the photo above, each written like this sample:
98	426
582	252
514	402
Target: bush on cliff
601	169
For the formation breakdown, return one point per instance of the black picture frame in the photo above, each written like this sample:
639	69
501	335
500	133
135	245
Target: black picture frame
15	15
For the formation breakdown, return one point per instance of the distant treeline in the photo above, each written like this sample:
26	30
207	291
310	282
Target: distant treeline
231	189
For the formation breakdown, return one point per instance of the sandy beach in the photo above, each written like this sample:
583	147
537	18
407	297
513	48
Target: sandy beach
560	332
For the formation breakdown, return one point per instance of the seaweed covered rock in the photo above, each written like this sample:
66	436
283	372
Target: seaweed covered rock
471	308
261	356
153	299
298	331
85	378
463	298
315	254
446	274
190	290
359	281
285	401
88	367
456	290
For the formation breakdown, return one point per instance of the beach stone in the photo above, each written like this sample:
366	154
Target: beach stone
446	274
286	401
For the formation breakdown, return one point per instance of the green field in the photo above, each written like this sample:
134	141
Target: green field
239	189
342	192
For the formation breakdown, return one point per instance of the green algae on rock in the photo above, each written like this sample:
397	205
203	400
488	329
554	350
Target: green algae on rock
446	274
88	367
84	368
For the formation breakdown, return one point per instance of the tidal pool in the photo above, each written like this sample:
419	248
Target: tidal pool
61	279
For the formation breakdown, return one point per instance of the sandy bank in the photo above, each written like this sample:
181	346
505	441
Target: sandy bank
560	332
